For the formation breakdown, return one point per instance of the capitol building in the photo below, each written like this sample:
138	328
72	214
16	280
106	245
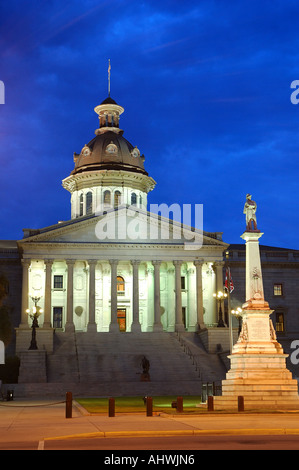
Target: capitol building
119	281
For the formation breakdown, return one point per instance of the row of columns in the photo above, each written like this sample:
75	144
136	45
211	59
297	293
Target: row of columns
69	326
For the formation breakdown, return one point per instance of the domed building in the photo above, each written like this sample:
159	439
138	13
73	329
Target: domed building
115	275
109	170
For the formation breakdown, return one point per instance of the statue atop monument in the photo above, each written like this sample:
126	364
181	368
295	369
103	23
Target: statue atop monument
250	211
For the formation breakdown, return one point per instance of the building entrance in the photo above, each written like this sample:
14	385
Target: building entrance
121	319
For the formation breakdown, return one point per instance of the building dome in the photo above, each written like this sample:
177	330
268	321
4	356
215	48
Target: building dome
109	151
109	170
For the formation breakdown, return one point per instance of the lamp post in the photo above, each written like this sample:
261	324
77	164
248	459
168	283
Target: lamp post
36	312
238	314
220	296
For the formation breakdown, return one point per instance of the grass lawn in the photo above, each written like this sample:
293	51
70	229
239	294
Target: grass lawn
135	404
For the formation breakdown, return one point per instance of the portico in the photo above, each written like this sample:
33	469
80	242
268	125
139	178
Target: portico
156	295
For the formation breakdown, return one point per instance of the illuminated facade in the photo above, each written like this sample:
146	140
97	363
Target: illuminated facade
95	273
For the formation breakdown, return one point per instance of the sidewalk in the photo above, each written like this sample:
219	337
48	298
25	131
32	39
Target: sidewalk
24	421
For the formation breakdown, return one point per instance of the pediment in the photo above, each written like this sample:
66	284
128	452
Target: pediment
123	225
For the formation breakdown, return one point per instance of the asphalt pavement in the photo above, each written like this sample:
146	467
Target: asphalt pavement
41	420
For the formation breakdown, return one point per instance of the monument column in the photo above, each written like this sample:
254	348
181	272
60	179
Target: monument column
199	297
257	364
92	326
135	327
113	322
48	293
69	326
179	325
157	307
25	286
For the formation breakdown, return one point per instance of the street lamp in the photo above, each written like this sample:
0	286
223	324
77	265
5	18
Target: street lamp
238	314
36	312
220	296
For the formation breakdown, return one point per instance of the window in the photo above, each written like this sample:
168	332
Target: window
120	285
277	290
57	317
58	282
279	324
89	203
107	197
183	282
133	199
81	205
117	196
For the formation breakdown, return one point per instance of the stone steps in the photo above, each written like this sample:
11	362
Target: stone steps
109	364
258	402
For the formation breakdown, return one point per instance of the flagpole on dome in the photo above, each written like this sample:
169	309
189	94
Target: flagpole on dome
109	73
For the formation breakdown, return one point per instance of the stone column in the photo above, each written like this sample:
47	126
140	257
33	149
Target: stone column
136	327
48	294
199	297
171	298
157	307
69	326
25	286
113	321
179	325
92	326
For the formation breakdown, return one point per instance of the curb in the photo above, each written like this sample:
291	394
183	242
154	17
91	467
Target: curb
194	432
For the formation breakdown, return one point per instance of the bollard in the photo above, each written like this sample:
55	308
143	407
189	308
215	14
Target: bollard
180	405
210	403
240	403
149	406
68	404
111	407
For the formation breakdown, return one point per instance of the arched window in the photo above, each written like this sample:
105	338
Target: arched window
81	208
117	198
133	199
89	203
107	197
120	285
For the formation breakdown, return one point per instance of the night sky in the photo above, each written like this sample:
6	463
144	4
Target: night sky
206	88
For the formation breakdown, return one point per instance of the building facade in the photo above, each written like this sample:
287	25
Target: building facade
115	266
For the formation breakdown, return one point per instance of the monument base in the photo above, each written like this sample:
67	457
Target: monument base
145	377
32	367
258	368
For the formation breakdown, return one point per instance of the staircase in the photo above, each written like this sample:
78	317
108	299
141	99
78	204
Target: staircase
109	364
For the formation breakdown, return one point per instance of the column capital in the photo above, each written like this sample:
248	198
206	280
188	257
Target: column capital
48	262
157	262
198	262
26	262
218	264
135	262
92	262
177	262
70	262
113	262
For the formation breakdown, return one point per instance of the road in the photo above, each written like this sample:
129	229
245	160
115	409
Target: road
177	444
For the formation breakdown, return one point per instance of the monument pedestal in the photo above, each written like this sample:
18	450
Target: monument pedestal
33	367
258	364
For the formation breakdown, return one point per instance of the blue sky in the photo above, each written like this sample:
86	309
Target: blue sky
206	91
